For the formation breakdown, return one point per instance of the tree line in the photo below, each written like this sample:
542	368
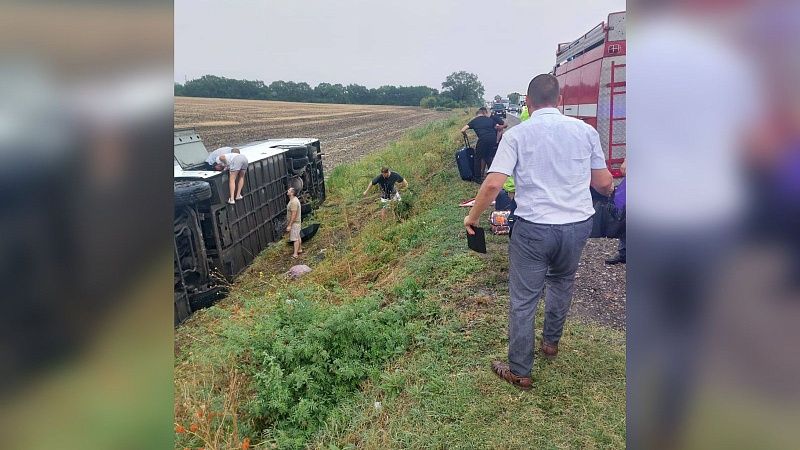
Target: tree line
460	89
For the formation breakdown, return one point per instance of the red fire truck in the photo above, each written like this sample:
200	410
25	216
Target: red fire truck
591	72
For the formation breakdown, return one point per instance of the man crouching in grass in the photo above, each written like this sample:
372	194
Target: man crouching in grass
386	180
553	159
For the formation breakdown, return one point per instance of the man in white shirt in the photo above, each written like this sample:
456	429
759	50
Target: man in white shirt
553	159
213	156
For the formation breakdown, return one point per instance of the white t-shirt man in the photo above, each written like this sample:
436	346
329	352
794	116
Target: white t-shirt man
214	156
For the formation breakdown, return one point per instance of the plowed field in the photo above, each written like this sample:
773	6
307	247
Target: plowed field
346	132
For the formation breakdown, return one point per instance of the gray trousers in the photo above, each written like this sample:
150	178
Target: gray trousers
538	254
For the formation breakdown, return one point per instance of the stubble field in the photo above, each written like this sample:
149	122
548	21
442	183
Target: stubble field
347	132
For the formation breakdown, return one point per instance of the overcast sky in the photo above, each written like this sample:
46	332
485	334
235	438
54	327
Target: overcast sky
378	42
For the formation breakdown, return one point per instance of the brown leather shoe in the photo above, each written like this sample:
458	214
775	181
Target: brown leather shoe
503	371
549	350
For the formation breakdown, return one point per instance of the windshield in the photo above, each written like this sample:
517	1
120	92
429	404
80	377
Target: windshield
498	106
191	154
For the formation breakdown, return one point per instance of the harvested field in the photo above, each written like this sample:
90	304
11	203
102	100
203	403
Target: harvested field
347	132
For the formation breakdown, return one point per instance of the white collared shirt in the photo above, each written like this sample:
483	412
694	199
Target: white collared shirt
550	157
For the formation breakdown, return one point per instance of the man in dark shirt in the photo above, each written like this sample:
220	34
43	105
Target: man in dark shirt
386	180
485	127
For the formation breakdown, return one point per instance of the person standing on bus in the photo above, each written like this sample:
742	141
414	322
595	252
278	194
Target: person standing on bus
236	164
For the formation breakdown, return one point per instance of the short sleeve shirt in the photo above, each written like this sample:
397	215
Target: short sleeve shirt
228	158
387	184
214	156
551	157
484	127
293	205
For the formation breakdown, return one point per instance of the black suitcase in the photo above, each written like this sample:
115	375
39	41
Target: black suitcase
465	160
608	221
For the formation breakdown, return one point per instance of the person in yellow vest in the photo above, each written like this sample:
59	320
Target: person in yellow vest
525	115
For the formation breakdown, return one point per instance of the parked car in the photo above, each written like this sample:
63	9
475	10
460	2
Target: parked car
499	109
215	241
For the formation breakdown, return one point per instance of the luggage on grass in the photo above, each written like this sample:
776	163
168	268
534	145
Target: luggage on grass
465	159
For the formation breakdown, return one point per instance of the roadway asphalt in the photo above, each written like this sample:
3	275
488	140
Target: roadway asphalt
512	120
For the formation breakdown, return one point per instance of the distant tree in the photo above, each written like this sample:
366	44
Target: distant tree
221	87
429	102
446	102
463	88
357	94
413	95
498	99
330	93
513	98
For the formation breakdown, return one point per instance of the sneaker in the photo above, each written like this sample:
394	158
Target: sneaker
239	197
230	201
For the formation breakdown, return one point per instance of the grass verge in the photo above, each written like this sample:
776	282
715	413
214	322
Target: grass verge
387	343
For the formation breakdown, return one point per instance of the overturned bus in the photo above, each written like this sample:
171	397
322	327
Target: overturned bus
215	241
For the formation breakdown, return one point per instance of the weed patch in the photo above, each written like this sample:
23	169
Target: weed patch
308	358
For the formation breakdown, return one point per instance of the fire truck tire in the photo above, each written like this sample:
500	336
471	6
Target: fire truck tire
190	192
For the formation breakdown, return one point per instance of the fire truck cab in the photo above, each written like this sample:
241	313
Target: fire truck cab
591	72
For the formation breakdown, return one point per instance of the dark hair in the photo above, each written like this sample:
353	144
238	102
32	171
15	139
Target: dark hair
384	169
544	90
482	109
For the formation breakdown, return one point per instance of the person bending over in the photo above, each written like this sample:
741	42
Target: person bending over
386	180
211	161
236	164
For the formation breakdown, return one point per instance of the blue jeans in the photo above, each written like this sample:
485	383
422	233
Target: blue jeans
541	255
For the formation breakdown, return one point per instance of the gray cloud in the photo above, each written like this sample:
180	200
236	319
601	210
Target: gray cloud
409	42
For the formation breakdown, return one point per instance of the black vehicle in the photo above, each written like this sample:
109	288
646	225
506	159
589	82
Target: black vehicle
499	109
215	241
